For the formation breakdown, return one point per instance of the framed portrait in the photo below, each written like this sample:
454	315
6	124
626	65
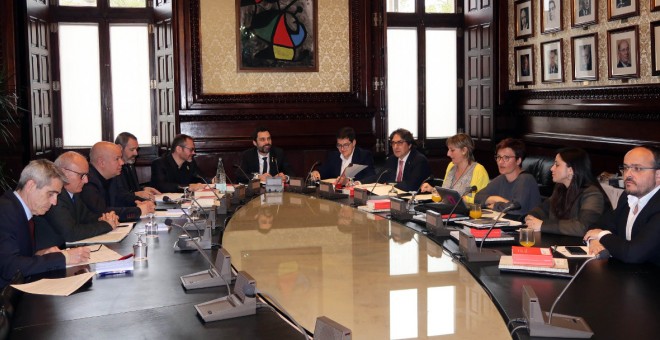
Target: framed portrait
524	64
619	9
584	12
552	62
655	48
277	36
551	18
623	52
584	51
524	16
655	5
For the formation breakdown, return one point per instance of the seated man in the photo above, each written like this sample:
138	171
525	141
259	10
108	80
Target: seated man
407	167
631	233
37	189
106	162
346	153
177	169
70	220
125	189
264	159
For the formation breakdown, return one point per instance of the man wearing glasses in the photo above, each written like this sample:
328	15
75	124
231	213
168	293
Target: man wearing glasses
177	169
631	233
347	153
70	220
263	160
407	167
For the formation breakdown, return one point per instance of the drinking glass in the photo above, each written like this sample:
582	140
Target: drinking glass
475	211
527	237
435	196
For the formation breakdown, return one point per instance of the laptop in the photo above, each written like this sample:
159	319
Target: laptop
449	198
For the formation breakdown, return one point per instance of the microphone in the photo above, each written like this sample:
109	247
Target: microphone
206	278
212	189
510	206
414	193
205	239
309	174
467	190
378	179
565	326
243	172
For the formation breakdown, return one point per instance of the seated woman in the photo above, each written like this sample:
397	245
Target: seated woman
462	172
513	184
577	201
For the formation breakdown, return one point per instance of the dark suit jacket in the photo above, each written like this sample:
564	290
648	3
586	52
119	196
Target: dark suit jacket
123	187
68	221
416	170
96	195
16	250
332	165
250	163
166	176
622	64
644	245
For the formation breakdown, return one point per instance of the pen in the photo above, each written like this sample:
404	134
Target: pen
116	272
125	257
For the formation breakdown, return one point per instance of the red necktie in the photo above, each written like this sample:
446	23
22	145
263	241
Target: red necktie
399	175
31	226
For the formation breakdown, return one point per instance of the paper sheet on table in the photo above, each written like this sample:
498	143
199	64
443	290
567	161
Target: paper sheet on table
114	236
351	171
380	189
166	213
171	195
57	287
204	202
103	254
422	197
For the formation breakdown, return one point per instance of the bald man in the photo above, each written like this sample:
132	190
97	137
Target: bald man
70	220
106	161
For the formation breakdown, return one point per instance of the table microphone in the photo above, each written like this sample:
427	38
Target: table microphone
414	194
309	174
467	190
167	199
378	179
212	189
243	172
213	268
513	205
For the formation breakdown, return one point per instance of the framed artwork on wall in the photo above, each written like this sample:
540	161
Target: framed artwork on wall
551	20
584	51
584	12
552	61
619	9
655	5
524	62
655	48
623	52
524	16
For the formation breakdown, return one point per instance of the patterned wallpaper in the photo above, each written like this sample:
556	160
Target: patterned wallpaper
643	21
219	62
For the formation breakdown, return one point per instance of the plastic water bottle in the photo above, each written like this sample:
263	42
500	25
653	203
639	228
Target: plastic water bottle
221	177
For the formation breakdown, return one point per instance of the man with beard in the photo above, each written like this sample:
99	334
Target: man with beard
177	169
264	160
125	189
631	233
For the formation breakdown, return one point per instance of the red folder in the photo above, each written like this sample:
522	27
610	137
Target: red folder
532	256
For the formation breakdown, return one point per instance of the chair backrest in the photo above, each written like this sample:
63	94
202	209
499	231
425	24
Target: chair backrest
539	167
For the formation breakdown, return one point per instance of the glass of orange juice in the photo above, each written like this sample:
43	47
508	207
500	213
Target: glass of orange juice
527	237
435	196
475	211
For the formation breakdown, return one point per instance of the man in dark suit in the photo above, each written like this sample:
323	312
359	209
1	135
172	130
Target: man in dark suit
40	183
106	162
125	189
631	233
70	220
347	153
407	167
177	169
263	159
623	53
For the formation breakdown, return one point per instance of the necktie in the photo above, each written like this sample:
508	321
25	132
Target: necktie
399	175
31	227
636	210
265	166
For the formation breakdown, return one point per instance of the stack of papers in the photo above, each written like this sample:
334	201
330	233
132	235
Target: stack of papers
560	266
114	236
57	287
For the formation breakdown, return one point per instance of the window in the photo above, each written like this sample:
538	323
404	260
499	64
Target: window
423	53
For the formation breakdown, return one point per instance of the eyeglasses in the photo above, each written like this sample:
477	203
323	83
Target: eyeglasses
343	146
634	168
397	143
189	148
505	158
81	174
97	249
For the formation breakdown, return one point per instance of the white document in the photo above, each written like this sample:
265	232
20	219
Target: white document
58	287
114	236
380	189
562	250
98	254
353	170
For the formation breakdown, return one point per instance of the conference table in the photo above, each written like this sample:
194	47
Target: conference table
316	257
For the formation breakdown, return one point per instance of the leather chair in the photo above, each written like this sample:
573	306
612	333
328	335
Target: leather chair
539	167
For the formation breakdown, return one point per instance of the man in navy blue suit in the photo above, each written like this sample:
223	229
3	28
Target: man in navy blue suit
263	160
40	183
347	153
407	166
631	233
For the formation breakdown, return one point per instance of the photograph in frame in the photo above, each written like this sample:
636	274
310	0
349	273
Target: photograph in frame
623	52
655	48
524	62
584	12
655	5
584	51
551	16
619	9
524	16
552	69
